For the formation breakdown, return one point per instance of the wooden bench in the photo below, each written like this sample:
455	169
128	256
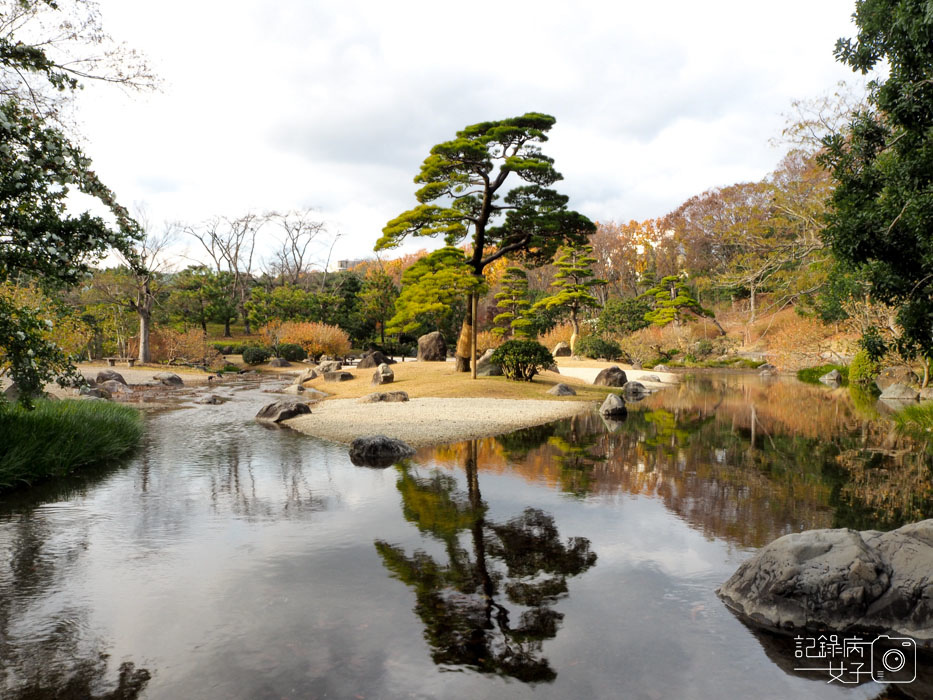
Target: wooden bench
113	360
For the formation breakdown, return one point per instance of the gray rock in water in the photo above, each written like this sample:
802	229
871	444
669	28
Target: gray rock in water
114	387
383	375
329	366
306	376
613	406
384	397
562	349
168	378
634	391
337	376
378	451
840	580
832	378
108	375
210	400
561	390
767	366
611	376
279	362
282	410
94	392
900	392
485	367
294	389
432	348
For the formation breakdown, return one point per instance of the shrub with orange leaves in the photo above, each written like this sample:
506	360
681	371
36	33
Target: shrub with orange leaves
486	340
561	334
316	338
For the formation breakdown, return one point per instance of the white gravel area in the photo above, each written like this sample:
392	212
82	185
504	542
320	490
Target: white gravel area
430	421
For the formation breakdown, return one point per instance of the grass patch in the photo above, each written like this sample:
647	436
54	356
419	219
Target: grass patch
916	420
60	436
811	375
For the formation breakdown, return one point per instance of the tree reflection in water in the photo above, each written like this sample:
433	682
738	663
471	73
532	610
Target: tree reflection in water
493	573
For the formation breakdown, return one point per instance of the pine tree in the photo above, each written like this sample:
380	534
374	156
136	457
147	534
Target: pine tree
572	284
514	305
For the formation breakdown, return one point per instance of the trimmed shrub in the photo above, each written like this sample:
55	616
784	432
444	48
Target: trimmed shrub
520	360
255	355
291	352
595	347
863	369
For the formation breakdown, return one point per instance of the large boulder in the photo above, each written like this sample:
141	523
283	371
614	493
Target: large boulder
895	375
840	580
109	375
112	386
832	378
94	392
383	375
168	378
562	349
611	376
485	367
337	376
900	392
561	390
634	391
384	397
282	409
279	362
432	348
613	406
378	451
329	366
306	376
374	359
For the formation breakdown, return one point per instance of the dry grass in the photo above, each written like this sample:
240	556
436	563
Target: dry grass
438	379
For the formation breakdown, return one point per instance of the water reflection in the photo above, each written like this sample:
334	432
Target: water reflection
490	573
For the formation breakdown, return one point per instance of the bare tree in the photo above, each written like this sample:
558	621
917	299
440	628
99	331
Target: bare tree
290	261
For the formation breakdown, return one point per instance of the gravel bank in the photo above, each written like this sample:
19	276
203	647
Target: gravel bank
430	421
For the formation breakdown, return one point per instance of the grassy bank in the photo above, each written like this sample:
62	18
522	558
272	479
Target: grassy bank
811	375
60	436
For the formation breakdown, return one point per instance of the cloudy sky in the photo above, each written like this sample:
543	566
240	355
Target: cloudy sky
334	105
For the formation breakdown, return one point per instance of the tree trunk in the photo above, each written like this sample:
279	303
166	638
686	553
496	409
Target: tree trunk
462	354
575	325
227	333
144	318
204	326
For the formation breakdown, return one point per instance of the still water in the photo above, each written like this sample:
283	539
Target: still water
578	559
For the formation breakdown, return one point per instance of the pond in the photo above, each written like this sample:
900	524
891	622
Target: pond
577	559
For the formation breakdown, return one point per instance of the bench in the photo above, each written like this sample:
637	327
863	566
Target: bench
113	360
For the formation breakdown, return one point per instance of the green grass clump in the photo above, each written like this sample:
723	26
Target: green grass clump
916	420
729	363
58	437
811	375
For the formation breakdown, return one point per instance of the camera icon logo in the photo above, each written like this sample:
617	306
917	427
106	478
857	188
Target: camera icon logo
894	659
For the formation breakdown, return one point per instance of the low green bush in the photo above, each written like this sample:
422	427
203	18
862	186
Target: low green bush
58	437
862	369
254	354
520	360
291	352
595	347
811	375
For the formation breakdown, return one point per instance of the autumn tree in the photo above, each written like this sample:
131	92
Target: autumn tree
463	195
513	304
882	207
573	286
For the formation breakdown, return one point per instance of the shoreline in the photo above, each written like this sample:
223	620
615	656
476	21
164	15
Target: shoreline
423	422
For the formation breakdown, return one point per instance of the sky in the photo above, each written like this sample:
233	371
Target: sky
334	105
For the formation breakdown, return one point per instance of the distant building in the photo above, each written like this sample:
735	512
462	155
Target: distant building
344	265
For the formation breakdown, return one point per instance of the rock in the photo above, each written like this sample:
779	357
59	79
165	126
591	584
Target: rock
306	376
900	392
329	366
767	366
378	451
294	389
561	390
926	394
168	378
613	406
840	580
562	349
383	375
432	348
634	391
636	364
312	394
553	368
652	378
661	368
895	375
112	386
282	410
374	359
766	373
279	362
832	378
11	393
384	397
95	392
611	376
210	400
108	375
485	367
337	376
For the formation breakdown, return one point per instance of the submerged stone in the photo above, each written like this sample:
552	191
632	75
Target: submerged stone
378	451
